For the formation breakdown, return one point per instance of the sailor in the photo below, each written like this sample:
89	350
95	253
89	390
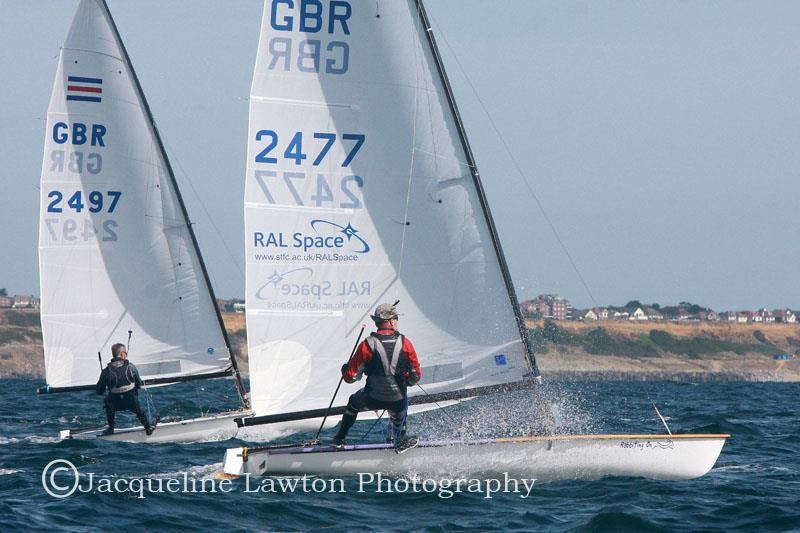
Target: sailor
122	380
390	362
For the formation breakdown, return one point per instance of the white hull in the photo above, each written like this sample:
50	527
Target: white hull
220	427
541	458
209	428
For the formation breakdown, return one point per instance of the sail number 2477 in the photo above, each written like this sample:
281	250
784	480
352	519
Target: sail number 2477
293	151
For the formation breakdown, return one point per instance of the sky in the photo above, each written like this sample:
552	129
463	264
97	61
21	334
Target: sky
660	138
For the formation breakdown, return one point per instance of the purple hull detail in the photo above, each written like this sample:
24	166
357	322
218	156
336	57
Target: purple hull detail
329	448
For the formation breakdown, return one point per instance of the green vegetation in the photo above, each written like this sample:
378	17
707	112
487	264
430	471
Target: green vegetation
19	318
600	341
9	335
597	341
760	337
698	346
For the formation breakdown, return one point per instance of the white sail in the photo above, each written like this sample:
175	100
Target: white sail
115	252
358	192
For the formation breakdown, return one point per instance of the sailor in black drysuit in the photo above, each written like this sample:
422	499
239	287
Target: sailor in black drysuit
122	380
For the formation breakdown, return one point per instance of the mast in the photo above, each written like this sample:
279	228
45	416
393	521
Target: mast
234	365
512	294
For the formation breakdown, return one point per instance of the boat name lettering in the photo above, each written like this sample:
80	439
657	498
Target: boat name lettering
646	444
79	133
77	162
309	17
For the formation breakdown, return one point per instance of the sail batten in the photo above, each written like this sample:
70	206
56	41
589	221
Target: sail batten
360	189
116	250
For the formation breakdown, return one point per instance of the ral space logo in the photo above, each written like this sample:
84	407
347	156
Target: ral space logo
299	282
325	236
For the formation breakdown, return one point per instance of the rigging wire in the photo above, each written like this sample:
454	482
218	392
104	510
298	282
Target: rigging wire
173	158
406	223
516	165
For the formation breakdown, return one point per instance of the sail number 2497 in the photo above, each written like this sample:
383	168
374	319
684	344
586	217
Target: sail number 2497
69	229
94	201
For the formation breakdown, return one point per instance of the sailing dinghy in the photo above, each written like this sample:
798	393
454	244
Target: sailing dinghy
361	188
116	248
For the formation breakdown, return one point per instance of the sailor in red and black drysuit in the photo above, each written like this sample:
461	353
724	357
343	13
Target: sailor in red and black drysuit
390	362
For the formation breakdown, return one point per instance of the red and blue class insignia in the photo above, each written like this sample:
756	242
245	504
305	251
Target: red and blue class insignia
84	89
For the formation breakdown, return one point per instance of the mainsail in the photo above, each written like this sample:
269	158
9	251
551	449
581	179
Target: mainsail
361	188
116	250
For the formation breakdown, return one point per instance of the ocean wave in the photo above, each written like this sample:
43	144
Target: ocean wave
33	439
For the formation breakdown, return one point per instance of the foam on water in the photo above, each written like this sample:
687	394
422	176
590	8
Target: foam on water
753	487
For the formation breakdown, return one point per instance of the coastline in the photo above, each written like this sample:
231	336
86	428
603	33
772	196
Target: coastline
21	354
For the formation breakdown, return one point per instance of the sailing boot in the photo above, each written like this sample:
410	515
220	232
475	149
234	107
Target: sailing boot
148	430
348	419
108	431
405	443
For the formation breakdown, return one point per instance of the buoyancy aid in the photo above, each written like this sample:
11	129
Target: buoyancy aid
385	370
121	376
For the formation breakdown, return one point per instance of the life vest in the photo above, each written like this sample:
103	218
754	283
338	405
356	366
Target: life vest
386	367
121	376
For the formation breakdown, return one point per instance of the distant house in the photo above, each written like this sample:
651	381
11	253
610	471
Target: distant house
742	317
711	316
238	307
653	314
547	306
728	316
620	315
784	316
25	302
595	313
6	302
639	314
766	316
529	309
560	308
755	316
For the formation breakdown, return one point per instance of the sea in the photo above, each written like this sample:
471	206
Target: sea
755	485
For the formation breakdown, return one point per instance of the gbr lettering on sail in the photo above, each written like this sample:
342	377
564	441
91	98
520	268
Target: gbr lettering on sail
314	19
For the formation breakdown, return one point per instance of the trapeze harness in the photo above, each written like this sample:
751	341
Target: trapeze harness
383	377
121	377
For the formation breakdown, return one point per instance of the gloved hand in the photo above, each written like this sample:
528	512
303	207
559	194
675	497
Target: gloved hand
410	378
